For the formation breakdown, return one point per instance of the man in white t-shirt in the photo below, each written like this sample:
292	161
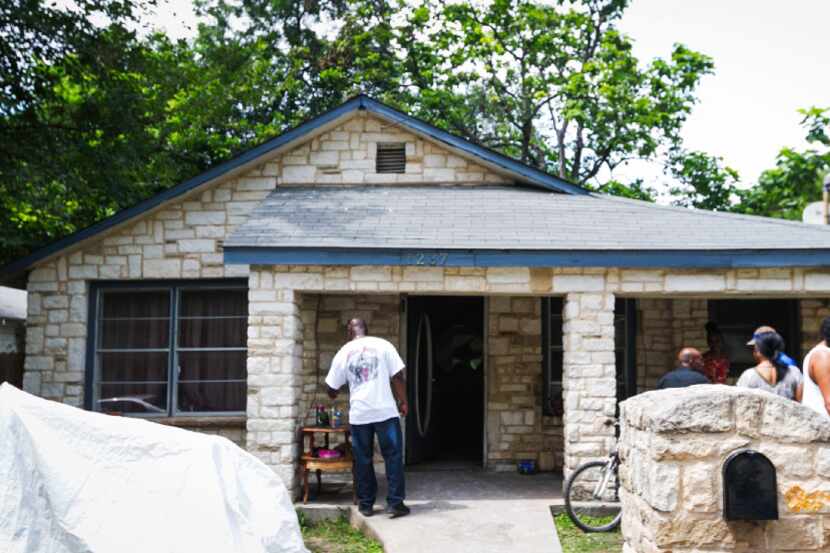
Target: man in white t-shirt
377	394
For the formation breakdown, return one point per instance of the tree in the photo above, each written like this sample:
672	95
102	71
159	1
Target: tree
796	180
55	131
554	86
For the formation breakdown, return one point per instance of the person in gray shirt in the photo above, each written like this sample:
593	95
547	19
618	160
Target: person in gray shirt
772	374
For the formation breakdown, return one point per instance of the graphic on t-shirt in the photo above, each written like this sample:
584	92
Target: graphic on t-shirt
362	366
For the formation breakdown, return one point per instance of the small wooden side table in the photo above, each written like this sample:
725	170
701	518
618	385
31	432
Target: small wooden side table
319	465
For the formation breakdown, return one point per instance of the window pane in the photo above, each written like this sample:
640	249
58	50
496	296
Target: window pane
133	398
214	303
212	365
213	333
619	334
135	303
555	332
135	333
212	396
135	319
139	366
556	364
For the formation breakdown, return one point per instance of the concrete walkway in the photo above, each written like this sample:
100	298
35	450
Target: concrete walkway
465	511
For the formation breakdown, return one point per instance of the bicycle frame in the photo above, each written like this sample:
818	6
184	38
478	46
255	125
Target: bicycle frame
610	468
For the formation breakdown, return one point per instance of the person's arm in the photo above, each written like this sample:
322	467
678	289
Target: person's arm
397	380
820	372
336	377
399	391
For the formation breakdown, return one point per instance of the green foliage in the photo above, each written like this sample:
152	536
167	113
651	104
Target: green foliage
336	536
574	540
796	180
704	182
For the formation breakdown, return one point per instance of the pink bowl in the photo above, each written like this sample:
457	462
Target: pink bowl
328	454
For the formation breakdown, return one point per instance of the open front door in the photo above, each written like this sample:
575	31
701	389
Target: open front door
421	379
445	380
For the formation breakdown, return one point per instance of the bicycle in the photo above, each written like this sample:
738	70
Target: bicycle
592	498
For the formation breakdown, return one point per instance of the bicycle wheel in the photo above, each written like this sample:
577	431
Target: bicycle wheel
592	498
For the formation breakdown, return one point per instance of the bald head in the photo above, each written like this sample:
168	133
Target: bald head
691	358
357	328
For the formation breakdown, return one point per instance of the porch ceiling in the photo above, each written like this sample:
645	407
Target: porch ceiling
510	225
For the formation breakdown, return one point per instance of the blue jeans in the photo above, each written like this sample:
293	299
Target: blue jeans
391	447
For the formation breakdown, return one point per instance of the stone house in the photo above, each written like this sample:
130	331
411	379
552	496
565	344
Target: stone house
525	306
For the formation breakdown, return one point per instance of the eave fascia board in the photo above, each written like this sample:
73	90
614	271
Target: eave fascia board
625	259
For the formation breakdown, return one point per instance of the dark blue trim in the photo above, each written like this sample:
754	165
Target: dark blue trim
679	259
91	323
534	176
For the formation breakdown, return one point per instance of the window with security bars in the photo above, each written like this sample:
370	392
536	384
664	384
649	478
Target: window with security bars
390	158
553	352
170	350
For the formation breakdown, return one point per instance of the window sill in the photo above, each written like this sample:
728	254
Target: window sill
234	421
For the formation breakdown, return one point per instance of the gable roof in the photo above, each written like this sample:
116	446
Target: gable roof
509	226
522	172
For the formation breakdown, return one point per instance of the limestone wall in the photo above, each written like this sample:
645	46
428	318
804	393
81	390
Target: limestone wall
655	341
346	155
516	428
813	311
673	444
182	241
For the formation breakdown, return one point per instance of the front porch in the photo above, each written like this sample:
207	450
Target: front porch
599	352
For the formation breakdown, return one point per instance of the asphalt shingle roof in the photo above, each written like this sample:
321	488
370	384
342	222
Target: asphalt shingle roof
502	217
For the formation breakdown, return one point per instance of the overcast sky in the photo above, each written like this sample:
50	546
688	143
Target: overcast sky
771	58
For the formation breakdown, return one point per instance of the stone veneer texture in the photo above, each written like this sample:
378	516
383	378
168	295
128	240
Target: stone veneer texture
673	444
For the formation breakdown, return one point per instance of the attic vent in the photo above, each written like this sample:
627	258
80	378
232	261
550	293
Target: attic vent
391	158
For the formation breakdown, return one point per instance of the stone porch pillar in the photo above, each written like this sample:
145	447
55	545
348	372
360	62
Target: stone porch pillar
589	376
275	350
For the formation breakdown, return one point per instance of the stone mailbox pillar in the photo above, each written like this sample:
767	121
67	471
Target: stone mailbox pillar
673	446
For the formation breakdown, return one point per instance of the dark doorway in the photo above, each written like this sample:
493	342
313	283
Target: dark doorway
445	360
739	318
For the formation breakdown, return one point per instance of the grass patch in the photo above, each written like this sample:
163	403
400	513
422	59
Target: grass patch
574	540
336	536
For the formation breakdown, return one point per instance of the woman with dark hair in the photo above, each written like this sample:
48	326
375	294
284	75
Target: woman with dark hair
715	361
771	373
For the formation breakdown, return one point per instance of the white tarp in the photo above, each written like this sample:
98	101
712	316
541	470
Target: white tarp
72	481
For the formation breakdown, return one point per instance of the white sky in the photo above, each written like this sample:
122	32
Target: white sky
771	58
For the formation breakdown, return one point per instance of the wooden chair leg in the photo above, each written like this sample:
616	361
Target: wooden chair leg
319	482
305	486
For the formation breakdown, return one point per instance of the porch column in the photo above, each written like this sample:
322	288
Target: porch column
275	346
589	379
